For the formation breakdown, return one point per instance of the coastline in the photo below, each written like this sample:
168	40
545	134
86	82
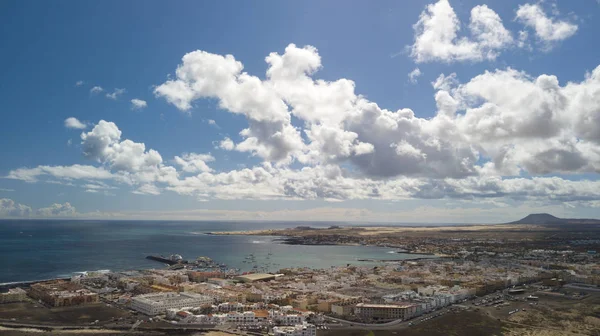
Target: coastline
301	240
377	230
27	283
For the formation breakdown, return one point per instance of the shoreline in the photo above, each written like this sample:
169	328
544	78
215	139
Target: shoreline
432	257
300	241
283	240
371	230
27	283
309	241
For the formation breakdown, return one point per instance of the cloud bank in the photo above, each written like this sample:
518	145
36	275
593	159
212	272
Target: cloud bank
502	135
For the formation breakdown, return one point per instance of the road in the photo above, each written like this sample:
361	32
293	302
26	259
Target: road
396	324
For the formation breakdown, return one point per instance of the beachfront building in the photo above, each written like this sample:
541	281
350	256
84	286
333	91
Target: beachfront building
158	303
13	295
304	329
383	312
62	293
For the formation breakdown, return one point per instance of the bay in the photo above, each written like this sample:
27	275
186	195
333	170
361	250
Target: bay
43	249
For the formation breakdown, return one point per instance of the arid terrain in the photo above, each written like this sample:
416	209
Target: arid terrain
550	316
442	240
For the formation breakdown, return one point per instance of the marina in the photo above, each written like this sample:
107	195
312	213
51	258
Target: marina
207	264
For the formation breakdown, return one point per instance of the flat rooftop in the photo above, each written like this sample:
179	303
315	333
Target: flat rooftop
373	305
255	277
168	297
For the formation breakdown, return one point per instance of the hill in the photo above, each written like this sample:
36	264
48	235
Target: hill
545	219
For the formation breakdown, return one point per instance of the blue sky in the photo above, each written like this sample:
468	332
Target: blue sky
470	162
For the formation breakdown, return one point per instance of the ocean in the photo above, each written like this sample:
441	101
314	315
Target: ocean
43	249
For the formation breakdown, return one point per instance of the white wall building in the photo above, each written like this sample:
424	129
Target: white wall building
157	303
286	319
304	329
13	295
231	306
248	317
431	290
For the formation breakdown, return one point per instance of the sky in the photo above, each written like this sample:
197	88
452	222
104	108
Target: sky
413	111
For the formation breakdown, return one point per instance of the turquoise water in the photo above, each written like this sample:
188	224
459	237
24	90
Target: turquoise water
42	249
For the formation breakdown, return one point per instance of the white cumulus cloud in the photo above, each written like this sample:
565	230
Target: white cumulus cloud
437	35
270	134
57	210
138	104
193	163
8	208
547	29
73	122
490	138
227	144
130	159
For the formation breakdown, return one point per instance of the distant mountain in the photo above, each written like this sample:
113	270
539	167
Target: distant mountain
545	219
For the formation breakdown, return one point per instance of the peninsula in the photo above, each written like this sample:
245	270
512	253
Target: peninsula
532	232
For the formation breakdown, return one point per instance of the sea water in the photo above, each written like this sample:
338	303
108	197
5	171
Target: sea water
43	249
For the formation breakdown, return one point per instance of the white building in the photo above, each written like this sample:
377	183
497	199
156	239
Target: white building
287	319
384	311
247	318
157	303
304	329
402	296
431	290
13	295
231	306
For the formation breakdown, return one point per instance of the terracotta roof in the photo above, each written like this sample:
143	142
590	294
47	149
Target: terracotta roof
261	313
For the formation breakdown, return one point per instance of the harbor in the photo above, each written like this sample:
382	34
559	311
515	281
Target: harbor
252	263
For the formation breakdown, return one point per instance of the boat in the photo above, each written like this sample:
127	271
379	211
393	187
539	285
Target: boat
161	259
172	260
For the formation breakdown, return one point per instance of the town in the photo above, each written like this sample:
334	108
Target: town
501	276
307	302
